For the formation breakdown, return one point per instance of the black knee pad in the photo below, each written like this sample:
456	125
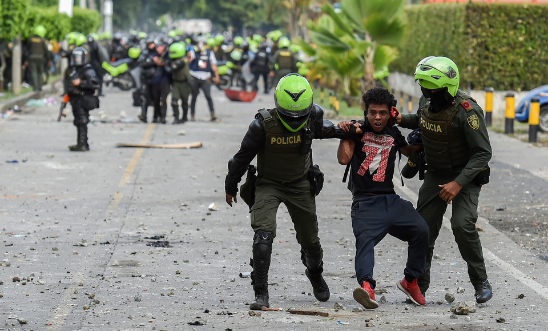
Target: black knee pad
262	244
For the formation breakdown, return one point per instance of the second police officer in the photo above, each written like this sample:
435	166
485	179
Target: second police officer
457	151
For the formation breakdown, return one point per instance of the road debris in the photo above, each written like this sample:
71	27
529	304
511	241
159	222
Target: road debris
449	297
309	312
197	144
464	307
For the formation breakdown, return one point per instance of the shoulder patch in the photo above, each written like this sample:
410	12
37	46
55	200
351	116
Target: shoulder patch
467	106
473	121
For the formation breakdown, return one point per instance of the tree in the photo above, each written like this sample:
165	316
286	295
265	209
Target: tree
12	25
368	30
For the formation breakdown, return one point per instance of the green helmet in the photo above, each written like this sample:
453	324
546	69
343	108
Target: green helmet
254	46
179	32
238	40
294	101
436	72
295	48
236	55
40	30
257	38
107	35
219	39
142	35
172	33
177	50
134	52
276	35
71	37
284	42
80	40
211	42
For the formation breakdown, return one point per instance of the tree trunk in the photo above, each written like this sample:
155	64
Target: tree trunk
16	66
83	4
92	5
2	68
369	68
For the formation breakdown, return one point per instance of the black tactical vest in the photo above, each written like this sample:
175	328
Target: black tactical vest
444	143
285	60
36	47
281	160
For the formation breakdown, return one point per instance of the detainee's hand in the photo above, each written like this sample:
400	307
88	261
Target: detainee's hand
76	82
230	198
345	126
449	191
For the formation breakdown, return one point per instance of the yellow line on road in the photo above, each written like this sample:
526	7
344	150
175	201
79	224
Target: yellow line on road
115	202
133	163
64	309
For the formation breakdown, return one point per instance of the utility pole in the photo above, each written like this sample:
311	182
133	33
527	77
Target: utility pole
83	3
16	66
107	11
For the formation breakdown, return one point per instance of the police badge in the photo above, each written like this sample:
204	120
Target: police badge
473	121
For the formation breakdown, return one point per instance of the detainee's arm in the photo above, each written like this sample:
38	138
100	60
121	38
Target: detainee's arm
477	138
345	151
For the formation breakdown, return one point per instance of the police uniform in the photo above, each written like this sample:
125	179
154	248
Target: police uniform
457	148
260	67
83	99
38	53
284	62
180	88
283	176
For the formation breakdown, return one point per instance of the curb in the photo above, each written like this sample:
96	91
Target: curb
24	98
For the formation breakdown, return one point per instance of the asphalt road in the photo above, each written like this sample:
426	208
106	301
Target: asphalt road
75	227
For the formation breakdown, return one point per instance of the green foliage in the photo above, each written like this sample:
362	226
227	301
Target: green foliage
85	21
57	25
494	45
12	18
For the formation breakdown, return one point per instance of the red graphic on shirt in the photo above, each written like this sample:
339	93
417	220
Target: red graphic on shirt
377	147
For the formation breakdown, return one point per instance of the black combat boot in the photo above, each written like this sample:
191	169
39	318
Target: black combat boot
143	116
312	259
185	114
81	139
262	251
484	292
175	107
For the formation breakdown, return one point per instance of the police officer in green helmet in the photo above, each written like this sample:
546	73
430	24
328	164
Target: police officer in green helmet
281	138
284	60
38	53
457	151
178	67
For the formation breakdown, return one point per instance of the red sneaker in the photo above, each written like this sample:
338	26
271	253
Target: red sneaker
412	290
366	296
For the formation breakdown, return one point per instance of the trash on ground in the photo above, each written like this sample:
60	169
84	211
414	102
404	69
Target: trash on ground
12	161
159	243
213	206
271	309
155	237
196	323
245	274
309	312
342	323
188	145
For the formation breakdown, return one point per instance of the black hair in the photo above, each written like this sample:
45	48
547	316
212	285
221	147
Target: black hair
379	96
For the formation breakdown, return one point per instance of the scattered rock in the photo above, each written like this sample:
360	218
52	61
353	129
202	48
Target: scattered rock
521	296
382	300
500	208
449	297
137	298
16	279
254	313
55	249
437	257
453	317
357	310
501	320
381	291
159	243
21	321
115	263
480	228
82	243
460	290
464	307
338	306
212	206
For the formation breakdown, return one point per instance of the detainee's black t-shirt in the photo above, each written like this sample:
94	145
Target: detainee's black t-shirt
373	161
